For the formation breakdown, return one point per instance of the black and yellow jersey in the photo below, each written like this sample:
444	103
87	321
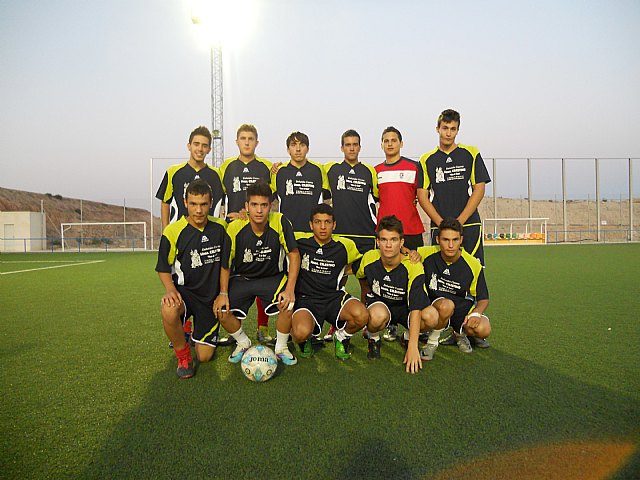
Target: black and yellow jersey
194	257
451	177
402	285
174	186
254	256
462	278
236	176
322	266
300	189
354	192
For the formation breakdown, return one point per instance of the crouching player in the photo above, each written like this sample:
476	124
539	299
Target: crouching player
456	287
190	259
395	292
257	269
319	296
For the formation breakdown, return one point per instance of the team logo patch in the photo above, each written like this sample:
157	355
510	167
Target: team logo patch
304	264
195	259
433	283
289	187
439	175
375	287
341	183
248	256
236	185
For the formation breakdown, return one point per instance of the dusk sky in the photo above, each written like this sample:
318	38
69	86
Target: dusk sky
90	91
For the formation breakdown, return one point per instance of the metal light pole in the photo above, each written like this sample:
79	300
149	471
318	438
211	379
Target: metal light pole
217	128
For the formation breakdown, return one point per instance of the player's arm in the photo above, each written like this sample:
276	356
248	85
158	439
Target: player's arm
171	297
288	296
412	356
474	319
165	214
476	197
221	303
427	206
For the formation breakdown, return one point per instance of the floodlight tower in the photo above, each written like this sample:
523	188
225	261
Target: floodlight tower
202	14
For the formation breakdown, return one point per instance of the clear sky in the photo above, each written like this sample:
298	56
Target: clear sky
89	90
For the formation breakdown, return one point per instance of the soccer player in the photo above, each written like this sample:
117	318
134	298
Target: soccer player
395	292
454	182
190	258
237	173
319	294
300	184
456	287
256	258
177	177
398	181
172	190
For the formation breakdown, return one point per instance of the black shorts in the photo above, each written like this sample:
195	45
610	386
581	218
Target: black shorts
462	308
471	242
324	309
243	291
205	324
363	244
398	313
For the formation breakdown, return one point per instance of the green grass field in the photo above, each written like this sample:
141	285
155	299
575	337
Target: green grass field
89	387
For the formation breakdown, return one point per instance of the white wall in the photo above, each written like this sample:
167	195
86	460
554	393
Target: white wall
25	231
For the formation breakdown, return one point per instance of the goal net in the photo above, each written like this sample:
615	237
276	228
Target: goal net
515	231
103	236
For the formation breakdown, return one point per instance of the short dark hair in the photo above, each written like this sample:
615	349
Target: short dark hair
259	189
297	136
198	187
349	133
322	208
449	116
390	130
450	223
247	127
391	223
201	130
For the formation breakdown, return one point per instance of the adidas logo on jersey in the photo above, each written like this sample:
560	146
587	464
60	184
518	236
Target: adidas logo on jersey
197	177
299	174
352	172
246	170
259	243
387	278
204	238
319	251
449	160
446	272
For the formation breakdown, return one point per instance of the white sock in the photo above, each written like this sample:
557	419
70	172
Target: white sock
342	335
281	341
374	336
241	338
434	336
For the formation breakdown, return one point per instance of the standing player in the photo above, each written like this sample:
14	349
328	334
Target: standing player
398	181
454	182
172	190
395	292
457	288
237	174
354	192
319	295
258	247
299	184
177	177
190	258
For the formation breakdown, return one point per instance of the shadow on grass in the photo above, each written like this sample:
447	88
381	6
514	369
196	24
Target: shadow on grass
327	419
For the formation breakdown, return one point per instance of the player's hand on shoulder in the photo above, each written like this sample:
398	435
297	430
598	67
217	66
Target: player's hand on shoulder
171	298
414	256
241	215
412	360
275	167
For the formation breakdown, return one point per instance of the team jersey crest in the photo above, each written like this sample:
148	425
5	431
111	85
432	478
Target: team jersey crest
375	287
196	261
341	183
236	184
248	256
289	187
433	283
439	175
304	264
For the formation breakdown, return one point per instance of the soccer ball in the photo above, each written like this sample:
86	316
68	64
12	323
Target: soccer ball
259	363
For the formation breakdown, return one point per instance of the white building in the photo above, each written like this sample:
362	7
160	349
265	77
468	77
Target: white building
23	231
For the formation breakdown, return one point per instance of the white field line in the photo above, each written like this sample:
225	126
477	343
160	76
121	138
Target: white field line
52	266
41	261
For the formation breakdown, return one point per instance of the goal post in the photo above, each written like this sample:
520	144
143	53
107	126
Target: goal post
103	233
514	231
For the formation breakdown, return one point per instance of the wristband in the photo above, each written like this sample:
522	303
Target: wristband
224	293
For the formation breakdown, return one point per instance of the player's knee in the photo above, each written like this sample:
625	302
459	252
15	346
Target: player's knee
445	308
300	331
429	318
170	314
205	353
360	315
377	320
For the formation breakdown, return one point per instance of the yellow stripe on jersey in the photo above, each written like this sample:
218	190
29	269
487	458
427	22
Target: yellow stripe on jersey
474	154
171	171
426	183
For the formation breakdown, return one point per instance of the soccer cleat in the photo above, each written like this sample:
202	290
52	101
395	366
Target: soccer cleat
329	336
479	342
446	337
237	354
374	349
424	337
286	357
263	335
428	351
342	351
391	334
306	349
463	344
404	342
225	341
317	339
185	369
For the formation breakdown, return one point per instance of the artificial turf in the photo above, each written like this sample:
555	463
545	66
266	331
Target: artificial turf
89	387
